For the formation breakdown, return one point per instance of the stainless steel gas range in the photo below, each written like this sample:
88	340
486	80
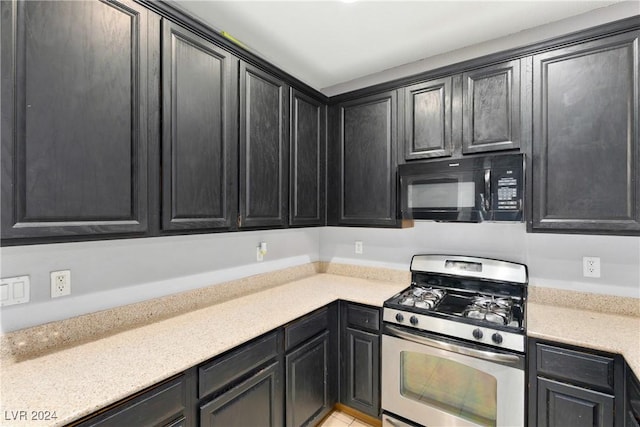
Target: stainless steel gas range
453	344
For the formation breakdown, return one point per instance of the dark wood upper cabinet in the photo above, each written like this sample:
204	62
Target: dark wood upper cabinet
76	87
491	108
264	110
427	119
307	160
199	148
586	155
363	161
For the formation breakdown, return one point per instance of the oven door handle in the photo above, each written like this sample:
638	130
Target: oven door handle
479	354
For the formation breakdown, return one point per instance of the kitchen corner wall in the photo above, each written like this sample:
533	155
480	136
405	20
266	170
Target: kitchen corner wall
553	260
107	274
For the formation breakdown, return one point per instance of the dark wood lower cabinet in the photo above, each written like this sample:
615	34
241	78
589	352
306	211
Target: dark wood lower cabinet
307	372
574	387
255	402
168	404
244	387
362	368
360	358
311	367
632	400
566	405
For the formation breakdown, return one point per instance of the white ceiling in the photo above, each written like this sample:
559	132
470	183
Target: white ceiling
325	43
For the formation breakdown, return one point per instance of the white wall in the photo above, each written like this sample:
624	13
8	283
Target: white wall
106	274
624	9
554	260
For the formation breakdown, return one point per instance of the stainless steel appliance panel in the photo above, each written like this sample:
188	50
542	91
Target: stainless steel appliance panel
442	387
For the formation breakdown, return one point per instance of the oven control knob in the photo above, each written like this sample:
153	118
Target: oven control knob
496	338
399	317
413	320
477	334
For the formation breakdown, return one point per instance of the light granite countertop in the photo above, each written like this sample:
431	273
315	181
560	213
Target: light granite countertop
78	378
613	333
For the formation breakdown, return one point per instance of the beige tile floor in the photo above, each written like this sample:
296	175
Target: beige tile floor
340	419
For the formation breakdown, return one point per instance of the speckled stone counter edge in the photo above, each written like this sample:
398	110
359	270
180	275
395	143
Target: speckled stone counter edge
611	304
39	340
35	341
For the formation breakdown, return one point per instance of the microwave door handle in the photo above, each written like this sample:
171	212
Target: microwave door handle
487	190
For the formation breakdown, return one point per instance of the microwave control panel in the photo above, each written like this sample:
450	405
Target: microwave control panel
508	197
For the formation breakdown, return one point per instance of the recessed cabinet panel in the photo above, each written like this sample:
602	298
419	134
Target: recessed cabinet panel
565	405
255	402
585	150
360	358
307	154
428	119
491	108
366	161
263	148
308	381
74	124
362	371
198	161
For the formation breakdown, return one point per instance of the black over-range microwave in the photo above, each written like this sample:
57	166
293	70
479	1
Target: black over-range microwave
487	188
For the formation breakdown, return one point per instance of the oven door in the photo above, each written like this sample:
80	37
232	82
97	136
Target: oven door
435	382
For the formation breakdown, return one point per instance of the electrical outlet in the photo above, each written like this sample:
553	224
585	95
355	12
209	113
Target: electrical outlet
591	266
60	283
261	251
358	247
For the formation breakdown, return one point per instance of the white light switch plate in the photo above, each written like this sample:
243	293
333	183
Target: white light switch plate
14	290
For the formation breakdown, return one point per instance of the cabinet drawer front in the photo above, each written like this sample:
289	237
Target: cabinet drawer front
155	407
363	317
306	328
237	364
257	401
575	366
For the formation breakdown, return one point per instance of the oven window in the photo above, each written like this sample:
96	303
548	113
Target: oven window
441	194
450	386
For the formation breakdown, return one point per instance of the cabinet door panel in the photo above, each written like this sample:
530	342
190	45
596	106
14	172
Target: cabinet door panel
564	405
365	159
308	382
428	119
255	402
307	151
491	108
200	131
74	118
263	148
361	371
586	154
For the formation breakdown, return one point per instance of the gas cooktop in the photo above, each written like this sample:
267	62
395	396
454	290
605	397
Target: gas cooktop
502	312
477	299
